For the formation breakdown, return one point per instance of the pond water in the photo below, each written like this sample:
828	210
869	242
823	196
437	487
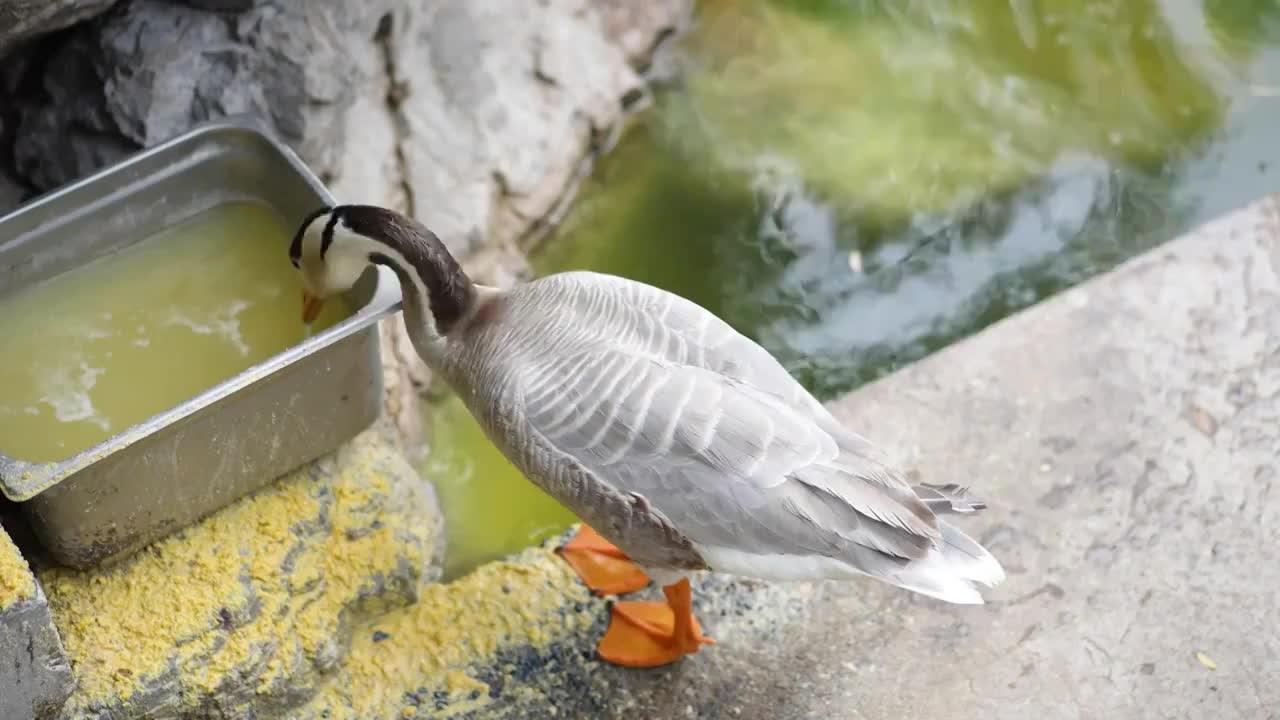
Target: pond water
856	184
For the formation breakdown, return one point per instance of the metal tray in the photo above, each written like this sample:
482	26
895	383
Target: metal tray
182	464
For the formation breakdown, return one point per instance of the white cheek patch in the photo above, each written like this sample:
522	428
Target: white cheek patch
342	269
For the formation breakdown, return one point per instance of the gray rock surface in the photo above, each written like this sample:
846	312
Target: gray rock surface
35	675
25	19
218	5
638	27
496	109
481	114
151	69
1125	434
11	192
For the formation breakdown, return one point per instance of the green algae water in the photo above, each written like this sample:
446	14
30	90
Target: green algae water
92	351
856	184
490	509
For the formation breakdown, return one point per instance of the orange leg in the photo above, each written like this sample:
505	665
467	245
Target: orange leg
602	566
647	634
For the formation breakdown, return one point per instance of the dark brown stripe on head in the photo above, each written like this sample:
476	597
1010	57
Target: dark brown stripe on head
295	247
326	238
450	292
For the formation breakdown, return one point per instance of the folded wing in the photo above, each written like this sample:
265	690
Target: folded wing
728	463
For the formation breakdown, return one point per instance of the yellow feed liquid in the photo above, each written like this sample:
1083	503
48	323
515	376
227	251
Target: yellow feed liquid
491	510
102	347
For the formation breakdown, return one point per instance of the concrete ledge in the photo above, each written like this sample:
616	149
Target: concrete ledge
1127	435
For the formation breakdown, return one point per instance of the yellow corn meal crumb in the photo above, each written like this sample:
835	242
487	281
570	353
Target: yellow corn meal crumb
458	682
528	601
16	582
278	590
258	589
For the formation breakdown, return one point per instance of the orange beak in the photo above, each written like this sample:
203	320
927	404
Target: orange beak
311	305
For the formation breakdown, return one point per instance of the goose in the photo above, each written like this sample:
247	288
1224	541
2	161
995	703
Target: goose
680	444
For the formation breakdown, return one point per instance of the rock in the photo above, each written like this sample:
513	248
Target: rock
499	266
405	377
151	69
481	115
245	613
12	190
35	677
232	6
366	168
496	110
12	193
24	19
638	28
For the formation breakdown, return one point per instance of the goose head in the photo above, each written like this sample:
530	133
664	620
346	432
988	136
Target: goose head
333	247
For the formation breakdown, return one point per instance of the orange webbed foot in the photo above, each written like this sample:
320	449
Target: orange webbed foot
601	565
649	634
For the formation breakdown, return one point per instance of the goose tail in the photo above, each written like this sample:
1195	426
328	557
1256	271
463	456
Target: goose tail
952	571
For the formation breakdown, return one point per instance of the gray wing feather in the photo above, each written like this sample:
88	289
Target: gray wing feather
950	498
658	397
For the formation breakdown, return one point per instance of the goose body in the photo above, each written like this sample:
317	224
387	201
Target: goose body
681	442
